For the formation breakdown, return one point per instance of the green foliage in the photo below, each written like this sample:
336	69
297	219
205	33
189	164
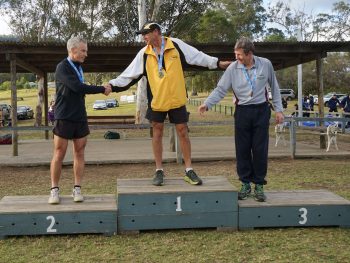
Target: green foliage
335	75
274	35
202	81
228	20
6	85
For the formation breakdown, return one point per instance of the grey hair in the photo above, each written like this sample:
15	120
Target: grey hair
74	42
246	44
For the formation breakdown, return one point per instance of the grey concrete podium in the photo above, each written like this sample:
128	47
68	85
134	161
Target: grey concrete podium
176	204
32	215
295	209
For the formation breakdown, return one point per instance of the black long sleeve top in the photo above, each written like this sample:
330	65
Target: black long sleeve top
70	93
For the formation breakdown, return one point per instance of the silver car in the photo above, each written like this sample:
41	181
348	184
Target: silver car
100	105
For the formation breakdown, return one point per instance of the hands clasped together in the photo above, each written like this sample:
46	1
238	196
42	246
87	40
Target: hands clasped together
108	89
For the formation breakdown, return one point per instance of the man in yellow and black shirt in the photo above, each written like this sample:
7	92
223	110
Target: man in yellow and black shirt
161	61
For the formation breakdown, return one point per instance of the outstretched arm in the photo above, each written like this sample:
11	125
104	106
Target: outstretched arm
131	75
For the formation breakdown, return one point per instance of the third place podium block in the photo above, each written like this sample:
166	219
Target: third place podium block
301	208
176	204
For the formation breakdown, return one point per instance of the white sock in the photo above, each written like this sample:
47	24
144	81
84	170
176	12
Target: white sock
161	169
188	169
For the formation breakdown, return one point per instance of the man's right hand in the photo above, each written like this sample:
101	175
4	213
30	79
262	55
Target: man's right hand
201	109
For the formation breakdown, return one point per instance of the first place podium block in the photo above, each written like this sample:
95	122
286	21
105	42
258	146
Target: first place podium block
32	215
176	204
300	208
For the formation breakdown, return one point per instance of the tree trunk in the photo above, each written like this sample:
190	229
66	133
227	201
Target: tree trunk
156	7
141	102
141	7
141	94
39	110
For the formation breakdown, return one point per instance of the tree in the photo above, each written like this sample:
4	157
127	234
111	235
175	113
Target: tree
331	27
228	20
340	22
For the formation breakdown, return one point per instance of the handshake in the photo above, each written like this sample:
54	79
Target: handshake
108	89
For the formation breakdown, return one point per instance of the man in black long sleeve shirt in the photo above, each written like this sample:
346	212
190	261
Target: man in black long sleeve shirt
70	116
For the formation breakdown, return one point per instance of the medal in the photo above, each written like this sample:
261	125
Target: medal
251	94
160	58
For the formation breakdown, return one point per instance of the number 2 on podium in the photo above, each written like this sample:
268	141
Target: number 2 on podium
50	229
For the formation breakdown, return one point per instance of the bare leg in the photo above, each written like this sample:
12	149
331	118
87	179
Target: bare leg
182	132
79	160
60	148
157	143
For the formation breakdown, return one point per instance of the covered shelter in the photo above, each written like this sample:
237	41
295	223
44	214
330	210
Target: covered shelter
42	58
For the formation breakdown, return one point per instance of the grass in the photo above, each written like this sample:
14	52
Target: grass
208	245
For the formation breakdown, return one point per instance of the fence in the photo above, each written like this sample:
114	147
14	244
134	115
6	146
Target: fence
293	123
225	109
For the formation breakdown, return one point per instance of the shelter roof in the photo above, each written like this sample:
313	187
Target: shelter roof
115	57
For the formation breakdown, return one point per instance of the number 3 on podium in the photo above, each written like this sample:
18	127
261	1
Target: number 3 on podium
303	211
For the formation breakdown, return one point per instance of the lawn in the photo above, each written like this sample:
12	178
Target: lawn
205	245
315	244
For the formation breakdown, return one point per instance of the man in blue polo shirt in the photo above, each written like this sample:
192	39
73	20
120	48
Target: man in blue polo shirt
250	77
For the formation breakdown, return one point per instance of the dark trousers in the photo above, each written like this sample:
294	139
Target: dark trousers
252	142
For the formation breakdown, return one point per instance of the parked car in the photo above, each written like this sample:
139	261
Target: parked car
111	103
100	105
25	112
288	94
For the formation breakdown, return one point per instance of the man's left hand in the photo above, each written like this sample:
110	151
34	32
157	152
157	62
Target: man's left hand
224	64
279	117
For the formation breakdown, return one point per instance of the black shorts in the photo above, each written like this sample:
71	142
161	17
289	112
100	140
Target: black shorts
176	116
70	129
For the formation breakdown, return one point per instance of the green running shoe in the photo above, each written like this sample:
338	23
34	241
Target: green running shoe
259	193
245	191
192	178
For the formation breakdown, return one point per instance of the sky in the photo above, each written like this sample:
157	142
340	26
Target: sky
311	6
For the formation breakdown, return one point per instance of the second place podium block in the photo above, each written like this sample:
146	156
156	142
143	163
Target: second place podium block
176	204
32	215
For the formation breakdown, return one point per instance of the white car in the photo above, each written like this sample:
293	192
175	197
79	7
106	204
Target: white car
100	105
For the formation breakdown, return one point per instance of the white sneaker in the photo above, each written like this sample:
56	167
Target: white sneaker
77	196
54	196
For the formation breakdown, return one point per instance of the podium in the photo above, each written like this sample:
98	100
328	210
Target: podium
32	215
295	209
176	204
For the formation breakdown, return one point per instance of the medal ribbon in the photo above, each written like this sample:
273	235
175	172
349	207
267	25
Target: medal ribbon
160	57
79	73
250	81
